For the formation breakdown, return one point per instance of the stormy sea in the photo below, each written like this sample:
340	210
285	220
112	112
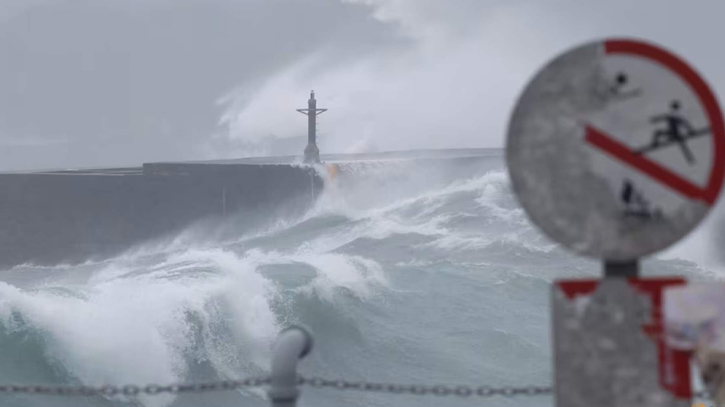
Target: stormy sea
406	272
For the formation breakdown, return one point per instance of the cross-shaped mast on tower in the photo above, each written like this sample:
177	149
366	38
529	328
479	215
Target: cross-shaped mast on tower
312	153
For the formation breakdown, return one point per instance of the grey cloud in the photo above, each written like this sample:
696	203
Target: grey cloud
137	80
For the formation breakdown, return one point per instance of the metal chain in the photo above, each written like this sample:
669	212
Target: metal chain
440	390
134	390
436	390
314	382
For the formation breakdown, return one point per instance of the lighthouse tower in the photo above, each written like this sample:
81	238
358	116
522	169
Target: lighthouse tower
312	153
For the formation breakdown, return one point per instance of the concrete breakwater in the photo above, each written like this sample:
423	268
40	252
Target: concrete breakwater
71	216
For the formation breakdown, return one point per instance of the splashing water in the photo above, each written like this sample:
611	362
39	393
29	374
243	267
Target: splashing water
406	272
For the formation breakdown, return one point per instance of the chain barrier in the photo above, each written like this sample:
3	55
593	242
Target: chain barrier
314	382
421	390
134	390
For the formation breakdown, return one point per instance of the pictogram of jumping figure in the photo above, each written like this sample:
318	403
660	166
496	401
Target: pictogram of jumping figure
677	130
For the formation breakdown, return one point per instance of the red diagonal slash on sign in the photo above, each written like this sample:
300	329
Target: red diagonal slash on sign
620	151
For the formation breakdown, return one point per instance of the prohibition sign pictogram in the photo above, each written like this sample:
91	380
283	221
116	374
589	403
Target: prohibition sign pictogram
616	149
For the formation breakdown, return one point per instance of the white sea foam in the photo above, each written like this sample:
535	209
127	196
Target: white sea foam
120	329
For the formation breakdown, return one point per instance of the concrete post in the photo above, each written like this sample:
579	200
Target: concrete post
293	344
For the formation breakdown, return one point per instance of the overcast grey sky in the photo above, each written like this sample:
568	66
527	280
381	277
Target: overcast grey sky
121	82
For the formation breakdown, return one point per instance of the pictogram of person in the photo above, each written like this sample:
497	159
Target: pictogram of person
617	88
677	130
635	205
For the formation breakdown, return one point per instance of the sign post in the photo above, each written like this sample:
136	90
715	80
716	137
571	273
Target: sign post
621	269
616	149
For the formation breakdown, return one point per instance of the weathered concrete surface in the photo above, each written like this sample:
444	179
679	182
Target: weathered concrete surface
71	216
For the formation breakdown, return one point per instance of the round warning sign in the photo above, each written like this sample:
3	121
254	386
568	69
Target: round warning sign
616	149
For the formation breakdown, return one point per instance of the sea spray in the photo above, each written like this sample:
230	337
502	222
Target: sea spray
405	273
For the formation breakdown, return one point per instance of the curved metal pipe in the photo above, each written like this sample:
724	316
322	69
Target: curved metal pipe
293	344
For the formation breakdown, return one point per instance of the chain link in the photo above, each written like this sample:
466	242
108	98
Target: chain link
134	390
435	390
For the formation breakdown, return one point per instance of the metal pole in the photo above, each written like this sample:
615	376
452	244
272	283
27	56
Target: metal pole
621	268
293	344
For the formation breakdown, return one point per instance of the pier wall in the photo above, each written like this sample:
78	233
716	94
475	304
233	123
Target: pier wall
71	216
49	218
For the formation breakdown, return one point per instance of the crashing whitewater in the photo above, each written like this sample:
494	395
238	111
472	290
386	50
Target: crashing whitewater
405	273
